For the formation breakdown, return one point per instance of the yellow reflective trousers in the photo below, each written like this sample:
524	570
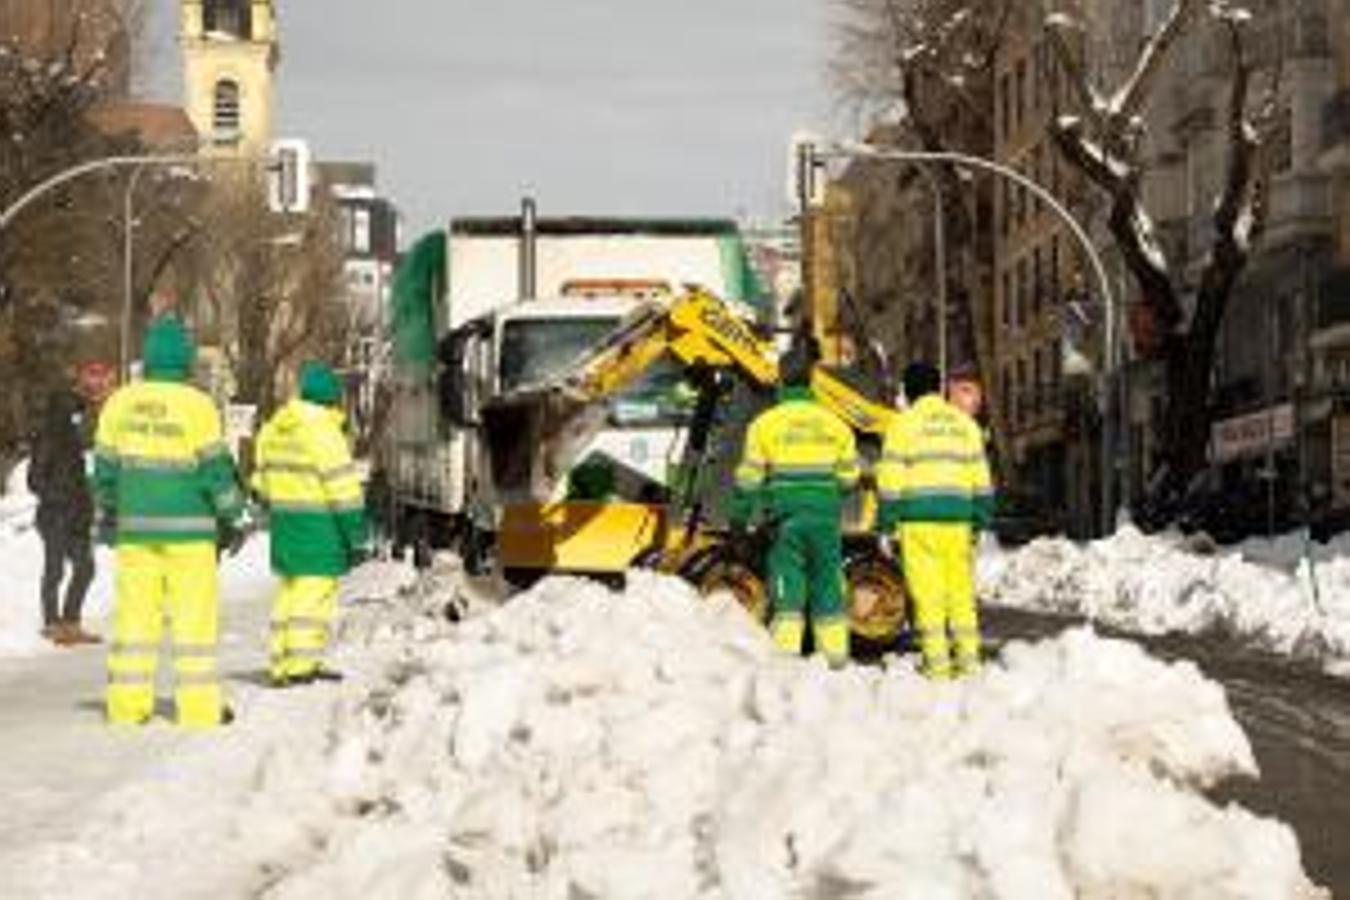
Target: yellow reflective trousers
938	560
302	617
177	582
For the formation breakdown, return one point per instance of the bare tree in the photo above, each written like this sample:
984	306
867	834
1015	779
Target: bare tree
919	74
57	63
1106	143
267	287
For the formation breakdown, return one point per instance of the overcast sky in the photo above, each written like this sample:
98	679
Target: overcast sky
602	106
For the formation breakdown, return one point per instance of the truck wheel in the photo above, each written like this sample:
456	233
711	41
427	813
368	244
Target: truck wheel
521	579
740	581
878	605
422	554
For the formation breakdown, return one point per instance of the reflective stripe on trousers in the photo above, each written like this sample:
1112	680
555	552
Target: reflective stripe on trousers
302	617
176	581
939	572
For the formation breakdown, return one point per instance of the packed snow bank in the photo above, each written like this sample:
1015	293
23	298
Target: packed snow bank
1263	594
21	561
17	504
582	743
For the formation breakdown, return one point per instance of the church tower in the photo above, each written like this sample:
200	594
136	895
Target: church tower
230	53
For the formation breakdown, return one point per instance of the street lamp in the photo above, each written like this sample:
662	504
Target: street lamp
854	150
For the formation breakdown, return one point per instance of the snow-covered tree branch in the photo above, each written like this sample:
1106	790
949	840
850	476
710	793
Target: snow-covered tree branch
1105	143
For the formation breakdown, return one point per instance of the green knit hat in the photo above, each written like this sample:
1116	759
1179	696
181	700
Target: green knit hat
168	351
319	384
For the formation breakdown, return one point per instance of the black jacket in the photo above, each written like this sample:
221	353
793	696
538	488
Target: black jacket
56	472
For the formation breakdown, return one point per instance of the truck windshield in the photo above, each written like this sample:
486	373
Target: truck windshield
534	350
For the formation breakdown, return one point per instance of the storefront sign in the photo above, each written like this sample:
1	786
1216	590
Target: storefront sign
1252	434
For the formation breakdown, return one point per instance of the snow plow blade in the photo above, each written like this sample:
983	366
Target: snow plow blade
533	436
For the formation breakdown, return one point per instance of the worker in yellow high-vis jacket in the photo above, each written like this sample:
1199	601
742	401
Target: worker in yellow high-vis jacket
936	494
800	462
166	490
305	474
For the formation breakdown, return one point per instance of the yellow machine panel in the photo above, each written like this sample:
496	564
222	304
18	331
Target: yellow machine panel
574	536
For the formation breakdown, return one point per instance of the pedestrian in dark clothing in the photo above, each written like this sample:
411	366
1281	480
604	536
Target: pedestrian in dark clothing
65	517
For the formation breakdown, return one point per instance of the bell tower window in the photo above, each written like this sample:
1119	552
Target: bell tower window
229	17
225	115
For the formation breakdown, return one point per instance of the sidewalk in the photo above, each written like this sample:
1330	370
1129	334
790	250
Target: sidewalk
57	757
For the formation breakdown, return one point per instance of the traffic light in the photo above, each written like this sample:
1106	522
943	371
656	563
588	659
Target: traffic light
288	176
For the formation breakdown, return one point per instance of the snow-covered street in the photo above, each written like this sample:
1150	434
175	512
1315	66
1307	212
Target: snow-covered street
579	742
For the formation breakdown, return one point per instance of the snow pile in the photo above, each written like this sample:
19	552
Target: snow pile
1262	595
21	561
17	505
582	743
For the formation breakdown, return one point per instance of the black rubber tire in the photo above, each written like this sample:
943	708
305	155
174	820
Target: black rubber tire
521	579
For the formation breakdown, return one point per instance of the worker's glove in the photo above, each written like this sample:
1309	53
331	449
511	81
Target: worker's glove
105	529
741	543
230	538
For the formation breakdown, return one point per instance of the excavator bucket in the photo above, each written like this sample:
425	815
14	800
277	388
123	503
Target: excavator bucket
533	435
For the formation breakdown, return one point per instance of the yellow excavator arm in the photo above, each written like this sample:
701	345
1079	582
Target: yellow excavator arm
534	433
696	328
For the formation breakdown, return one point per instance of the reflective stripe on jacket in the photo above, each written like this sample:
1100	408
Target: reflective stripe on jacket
798	451
933	467
313	489
160	466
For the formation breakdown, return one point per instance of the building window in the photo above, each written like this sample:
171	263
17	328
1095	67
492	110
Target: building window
361	230
1036	375
1020	406
231	17
1005	393
1053	275
1007	297
1036	67
1005	105
1020	311
1036	283
1021	91
225	118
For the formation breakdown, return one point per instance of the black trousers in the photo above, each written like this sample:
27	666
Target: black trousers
62	546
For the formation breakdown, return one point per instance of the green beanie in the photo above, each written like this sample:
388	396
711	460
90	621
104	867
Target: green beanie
168	352
319	384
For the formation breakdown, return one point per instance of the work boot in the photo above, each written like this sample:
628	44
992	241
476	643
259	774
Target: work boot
54	632
65	634
77	635
319	674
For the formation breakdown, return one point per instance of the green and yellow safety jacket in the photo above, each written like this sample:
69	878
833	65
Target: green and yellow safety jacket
305	473
161	469
933	468
798	456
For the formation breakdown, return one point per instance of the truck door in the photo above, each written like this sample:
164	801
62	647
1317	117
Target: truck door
462	388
